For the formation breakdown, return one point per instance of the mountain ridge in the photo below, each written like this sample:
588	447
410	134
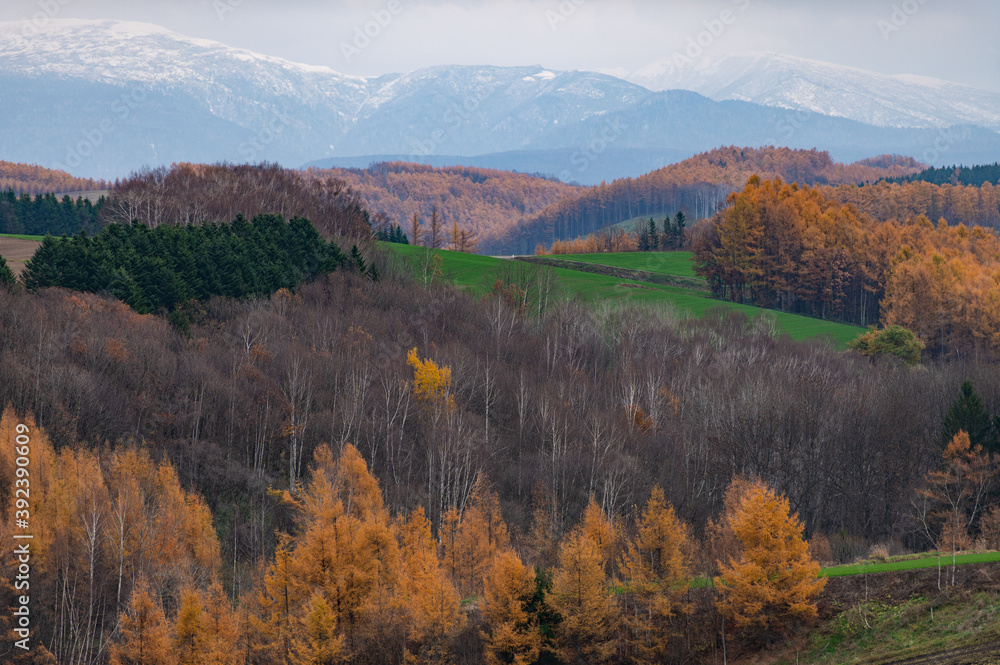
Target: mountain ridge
103	98
785	81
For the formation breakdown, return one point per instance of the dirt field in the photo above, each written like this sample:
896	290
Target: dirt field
984	654
17	252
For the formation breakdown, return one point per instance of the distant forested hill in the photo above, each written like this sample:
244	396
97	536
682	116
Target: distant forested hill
956	175
486	201
32	179
697	186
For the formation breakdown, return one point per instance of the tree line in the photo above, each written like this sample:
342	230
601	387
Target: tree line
166	267
204	193
955	175
32	180
670	235
486	203
971	205
130	569
46	214
794	249
698	186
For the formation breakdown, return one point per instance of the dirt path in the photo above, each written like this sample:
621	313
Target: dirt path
16	252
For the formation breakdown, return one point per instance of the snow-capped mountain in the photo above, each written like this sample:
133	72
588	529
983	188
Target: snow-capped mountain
101	98
784	81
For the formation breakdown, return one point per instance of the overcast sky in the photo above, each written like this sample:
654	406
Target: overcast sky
954	40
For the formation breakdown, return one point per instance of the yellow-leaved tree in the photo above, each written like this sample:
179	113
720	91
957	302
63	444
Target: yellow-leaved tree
143	632
431	383
512	636
656	568
471	543
773	581
601	531
582	597
430	600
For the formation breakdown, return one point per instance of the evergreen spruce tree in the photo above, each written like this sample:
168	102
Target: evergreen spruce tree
6	275
359	260
968	414
680	222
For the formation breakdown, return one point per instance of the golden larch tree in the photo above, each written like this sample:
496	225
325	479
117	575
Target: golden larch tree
221	634
189	629
431	382
512	636
271	623
657	572
143	632
773	580
478	537
429	599
317	641
581	596
601	531
955	494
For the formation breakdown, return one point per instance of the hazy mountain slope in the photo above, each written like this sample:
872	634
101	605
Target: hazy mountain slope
101	98
785	81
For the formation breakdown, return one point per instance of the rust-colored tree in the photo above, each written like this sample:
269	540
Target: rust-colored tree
430	600
773	582
511	636
656	571
143	632
954	495
480	535
582	597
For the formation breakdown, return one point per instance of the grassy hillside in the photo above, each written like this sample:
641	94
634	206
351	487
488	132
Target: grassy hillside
663	263
927	560
477	273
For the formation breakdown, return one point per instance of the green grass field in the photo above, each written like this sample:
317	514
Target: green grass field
926	561
661	263
477	274
19	237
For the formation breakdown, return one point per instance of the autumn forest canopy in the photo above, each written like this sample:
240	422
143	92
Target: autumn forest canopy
259	436
797	249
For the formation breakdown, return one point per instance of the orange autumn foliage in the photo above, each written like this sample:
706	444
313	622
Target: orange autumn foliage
144	633
512	636
657	572
581	595
471	543
793	248
772	581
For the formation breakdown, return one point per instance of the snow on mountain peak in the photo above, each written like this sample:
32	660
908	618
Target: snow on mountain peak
785	81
